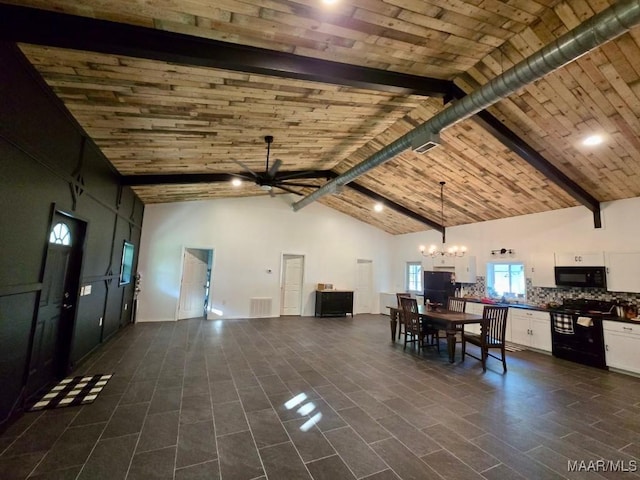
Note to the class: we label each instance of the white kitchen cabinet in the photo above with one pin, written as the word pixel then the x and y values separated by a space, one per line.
pixel 443 261
pixel 431 264
pixel 623 271
pixel 580 259
pixel 541 269
pixel 531 328
pixel 622 343
pixel 465 269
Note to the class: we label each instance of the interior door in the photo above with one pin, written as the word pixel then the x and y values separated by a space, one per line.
pixel 194 284
pixel 51 346
pixel 364 286
pixel 293 270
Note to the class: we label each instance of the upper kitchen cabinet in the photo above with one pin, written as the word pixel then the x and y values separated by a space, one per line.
pixel 465 269
pixel 540 270
pixel 578 259
pixel 439 262
pixel 623 271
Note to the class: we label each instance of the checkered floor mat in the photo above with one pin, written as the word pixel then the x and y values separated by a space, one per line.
pixel 72 391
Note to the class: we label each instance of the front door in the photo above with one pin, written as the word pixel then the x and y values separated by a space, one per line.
pixel 293 269
pixel 56 311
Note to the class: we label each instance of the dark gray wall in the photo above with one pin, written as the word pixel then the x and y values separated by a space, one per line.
pixel 47 162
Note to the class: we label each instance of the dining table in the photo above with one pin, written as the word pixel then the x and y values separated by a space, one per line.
pixel 449 321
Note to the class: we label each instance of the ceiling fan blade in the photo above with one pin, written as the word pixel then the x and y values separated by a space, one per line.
pixel 243 176
pixel 254 174
pixel 274 168
pixel 287 189
pixel 296 184
pixel 290 175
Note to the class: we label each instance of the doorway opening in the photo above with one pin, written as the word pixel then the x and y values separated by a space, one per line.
pixel 292 284
pixel 52 333
pixel 195 286
pixel 364 286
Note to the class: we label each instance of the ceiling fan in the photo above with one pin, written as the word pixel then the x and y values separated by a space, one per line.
pixel 272 178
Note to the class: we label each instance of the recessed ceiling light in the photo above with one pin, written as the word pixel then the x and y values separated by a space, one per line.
pixel 236 182
pixel 592 140
pixel 378 207
pixel 329 2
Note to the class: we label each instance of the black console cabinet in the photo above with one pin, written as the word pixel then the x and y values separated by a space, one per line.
pixel 331 303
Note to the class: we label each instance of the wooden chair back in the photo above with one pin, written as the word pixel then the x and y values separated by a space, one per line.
pixel 402 295
pixel 492 335
pixel 455 304
pixel 410 314
pixel 494 326
pixel 398 297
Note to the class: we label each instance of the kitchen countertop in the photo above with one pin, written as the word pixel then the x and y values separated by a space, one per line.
pixel 526 306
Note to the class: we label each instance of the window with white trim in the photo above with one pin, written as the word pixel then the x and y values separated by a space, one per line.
pixel 414 277
pixel 506 280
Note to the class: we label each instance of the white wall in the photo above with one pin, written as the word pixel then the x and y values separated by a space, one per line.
pixel 249 236
pixel 567 230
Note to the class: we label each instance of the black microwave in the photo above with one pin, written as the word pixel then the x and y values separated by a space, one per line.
pixel 589 277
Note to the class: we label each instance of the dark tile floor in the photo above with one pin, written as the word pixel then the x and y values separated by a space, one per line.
pixel 208 399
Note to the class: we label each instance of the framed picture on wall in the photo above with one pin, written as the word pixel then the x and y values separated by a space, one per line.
pixel 126 267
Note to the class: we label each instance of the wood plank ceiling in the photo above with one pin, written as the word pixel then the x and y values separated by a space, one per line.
pixel 158 117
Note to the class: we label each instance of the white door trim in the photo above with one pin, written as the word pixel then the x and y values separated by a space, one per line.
pixel 182 252
pixel 358 307
pixel 283 278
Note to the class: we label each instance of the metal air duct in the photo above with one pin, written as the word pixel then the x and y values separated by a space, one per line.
pixel 599 29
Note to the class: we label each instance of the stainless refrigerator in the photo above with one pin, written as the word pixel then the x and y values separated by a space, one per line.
pixel 439 286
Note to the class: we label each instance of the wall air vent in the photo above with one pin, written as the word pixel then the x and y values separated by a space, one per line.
pixel 424 141
pixel 260 307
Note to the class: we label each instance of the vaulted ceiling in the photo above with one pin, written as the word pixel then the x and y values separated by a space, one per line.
pixel 333 85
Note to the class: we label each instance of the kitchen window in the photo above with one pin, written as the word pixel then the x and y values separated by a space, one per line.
pixel 506 281
pixel 414 277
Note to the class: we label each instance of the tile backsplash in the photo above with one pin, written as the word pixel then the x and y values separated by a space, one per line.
pixel 542 295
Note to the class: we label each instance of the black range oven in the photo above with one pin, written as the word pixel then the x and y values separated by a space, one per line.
pixel 576 331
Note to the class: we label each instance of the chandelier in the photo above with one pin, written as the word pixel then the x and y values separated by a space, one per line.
pixel 434 251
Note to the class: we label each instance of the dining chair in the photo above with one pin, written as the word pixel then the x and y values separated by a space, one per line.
pixel 492 336
pixel 415 330
pixel 456 304
pixel 400 317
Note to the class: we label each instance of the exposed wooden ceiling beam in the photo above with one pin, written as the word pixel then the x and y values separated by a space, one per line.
pixel 395 206
pixel 41 27
pixel 508 138
pixel 191 178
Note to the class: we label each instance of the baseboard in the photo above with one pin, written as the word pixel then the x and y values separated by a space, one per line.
pixel 140 320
